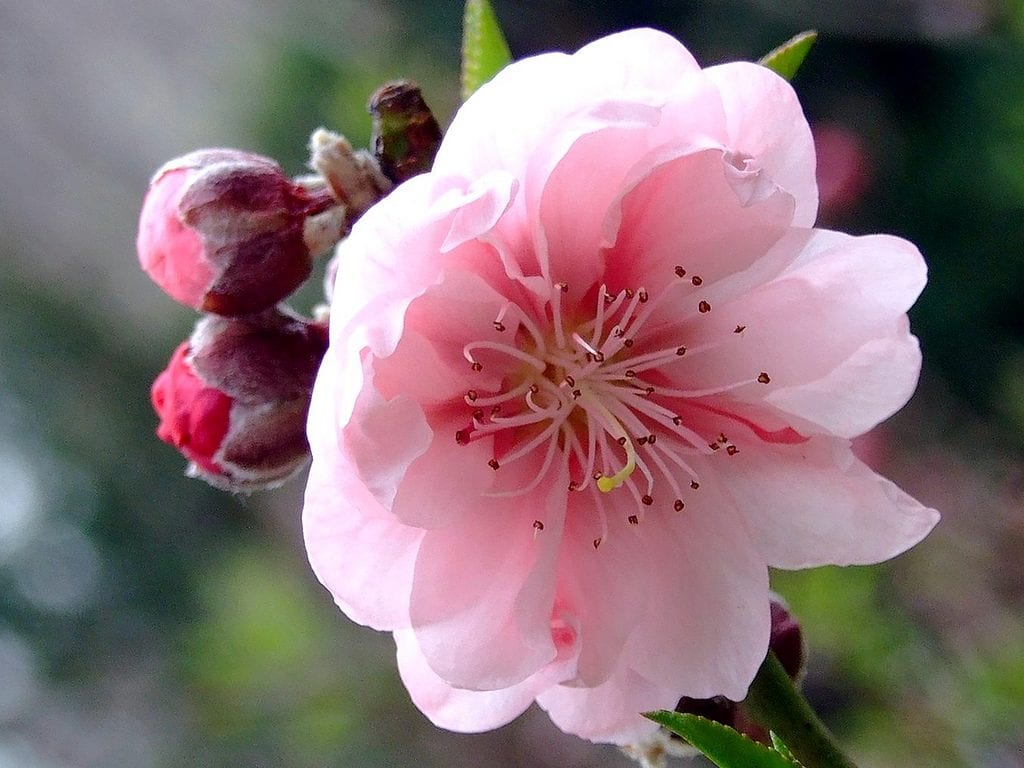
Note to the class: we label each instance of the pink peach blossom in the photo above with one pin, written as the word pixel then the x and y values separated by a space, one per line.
pixel 589 377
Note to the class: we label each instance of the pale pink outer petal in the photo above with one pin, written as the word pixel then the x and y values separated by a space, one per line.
pixel 766 122
pixel 484 588
pixel 462 710
pixel 601 587
pixel 683 210
pixel 377 254
pixel 816 504
pixel 491 130
pixel 583 108
pixel 707 625
pixel 357 549
pixel 831 332
pixel 611 711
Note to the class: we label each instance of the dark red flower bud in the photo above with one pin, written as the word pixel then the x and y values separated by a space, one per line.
pixel 224 231
pixel 235 397
pixel 787 641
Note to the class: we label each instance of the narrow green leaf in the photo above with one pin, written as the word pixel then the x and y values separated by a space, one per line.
pixel 780 747
pixel 722 745
pixel 787 58
pixel 484 50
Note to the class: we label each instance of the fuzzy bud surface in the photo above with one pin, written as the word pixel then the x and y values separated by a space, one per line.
pixel 222 230
pixel 234 398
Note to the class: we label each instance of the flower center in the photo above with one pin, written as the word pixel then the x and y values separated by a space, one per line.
pixel 587 393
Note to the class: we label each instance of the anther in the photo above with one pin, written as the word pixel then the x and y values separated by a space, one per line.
pixel 647 499
pixel 697 280
pixel 493 464
pixel 633 520
pixel 495 410
pixel 714 446
pixel 563 287
pixel 629 293
pixel 722 438
pixel 630 373
pixel 621 441
pixel 538 525
pixel 477 367
pixel 597 542
pixel 732 450
pixel 652 439
pixel 627 343
pixel 570 381
pixel 740 329
pixel 649 391
pixel 478 414
pixel 678 505
pixel 680 351
pixel 573 485
pixel 703 307
pixel 677 420
pixel 643 296
pixel 599 357
pixel 472 395
pixel 499 326
pixel 534 389
pixel 462 437
pixel 680 272
pixel 642 440
pixel 694 484
pixel 764 378
pixel 577 394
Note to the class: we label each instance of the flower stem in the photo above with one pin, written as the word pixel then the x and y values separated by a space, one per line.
pixel 776 703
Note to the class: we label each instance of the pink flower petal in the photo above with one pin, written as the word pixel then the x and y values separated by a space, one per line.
pixel 766 123
pixel 708 622
pixel 364 557
pixel 601 586
pixel 611 711
pixel 816 504
pixel 492 631
pixel 458 709
pixel 684 211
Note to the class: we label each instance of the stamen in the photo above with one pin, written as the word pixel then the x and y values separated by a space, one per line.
pixel 505 349
pixel 607 484
pixel 556 313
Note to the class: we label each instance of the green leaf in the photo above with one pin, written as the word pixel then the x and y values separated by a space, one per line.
pixel 780 746
pixel 787 58
pixel 722 745
pixel 484 50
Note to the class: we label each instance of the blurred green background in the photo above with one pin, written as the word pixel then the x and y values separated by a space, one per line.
pixel 148 621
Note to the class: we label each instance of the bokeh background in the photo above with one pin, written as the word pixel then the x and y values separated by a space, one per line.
pixel 148 621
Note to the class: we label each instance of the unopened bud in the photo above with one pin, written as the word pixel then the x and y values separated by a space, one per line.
pixel 405 134
pixel 787 641
pixel 235 397
pixel 225 231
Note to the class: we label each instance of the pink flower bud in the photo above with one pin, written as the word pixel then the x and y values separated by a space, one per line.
pixel 234 398
pixel 222 231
